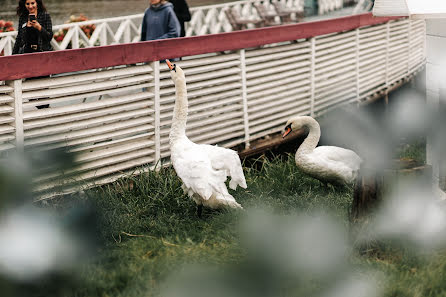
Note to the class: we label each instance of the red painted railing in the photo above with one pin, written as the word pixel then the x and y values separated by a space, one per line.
pixel 39 64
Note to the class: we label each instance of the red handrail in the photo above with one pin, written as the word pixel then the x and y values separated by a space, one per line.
pixel 39 64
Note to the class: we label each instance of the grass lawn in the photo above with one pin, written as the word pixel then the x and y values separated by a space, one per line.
pixel 147 230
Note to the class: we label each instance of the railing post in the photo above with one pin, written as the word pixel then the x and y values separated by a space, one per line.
pixel 408 45
pixel 18 113
pixel 313 74
pixel 357 66
pixel 103 34
pixel 156 106
pixel 127 38
pixel 75 39
pixel 387 53
pixel 387 62
pixel 244 97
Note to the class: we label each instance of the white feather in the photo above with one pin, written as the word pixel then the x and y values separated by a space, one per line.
pixel 202 168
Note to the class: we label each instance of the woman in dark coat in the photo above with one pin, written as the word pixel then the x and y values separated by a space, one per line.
pixel 182 12
pixel 35 29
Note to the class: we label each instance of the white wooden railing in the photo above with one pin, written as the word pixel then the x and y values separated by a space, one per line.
pixel 117 119
pixel 205 20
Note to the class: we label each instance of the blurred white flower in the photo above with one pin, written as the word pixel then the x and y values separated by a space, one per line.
pixel 302 244
pixel 354 286
pixel 413 212
pixel 33 244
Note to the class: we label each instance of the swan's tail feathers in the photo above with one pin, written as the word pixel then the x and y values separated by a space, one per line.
pixel 238 181
pixel 236 172
pixel 228 161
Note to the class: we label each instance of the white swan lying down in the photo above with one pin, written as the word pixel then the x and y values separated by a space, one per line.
pixel 327 163
pixel 202 168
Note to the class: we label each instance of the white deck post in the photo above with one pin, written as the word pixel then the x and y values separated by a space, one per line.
pixel 357 66
pixel 313 76
pixel 75 38
pixel 156 91
pixel 387 61
pixel 244 97
pixel 18 113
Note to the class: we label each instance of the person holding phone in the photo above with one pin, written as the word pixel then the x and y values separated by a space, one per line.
pixel 35 29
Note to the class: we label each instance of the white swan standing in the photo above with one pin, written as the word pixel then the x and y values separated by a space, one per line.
pixel 202 168
pixel 327 163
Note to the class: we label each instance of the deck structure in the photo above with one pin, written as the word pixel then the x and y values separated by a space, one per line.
pixel 112 105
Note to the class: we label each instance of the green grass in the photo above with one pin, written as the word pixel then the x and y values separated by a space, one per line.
pixel 148 229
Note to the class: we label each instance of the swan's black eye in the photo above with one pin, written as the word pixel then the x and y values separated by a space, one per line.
pixel 288 127
pixel 174 67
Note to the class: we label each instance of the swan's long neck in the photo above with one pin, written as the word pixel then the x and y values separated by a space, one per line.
pixel 179 118
pixel 312 139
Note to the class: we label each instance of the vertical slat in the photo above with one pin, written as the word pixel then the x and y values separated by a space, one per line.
pixel 244 97
pixel 18 113
pixel 312 71
pixel 103 35
pixel 75 39
pixel 409 29
pixel 156 91
pixel 357 66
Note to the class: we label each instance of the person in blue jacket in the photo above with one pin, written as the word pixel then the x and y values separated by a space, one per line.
pixel 160 21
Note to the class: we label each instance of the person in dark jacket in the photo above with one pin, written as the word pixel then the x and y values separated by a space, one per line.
pixel 182 12
pixel 160 21
pixel 35 29
pixel 35 32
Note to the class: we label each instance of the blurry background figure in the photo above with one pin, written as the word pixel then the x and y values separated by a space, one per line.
pixel 34 31
pixel 159 21
pixel 182 12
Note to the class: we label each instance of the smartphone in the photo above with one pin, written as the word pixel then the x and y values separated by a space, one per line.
pixel 32 17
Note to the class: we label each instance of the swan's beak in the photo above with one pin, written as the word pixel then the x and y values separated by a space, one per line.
pixel 171 67
pixel 287 131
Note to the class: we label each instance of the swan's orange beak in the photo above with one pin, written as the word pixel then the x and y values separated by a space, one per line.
pixel 287 131
pixel 171 67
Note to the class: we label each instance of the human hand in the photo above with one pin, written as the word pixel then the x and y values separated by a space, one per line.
pixel 36 25
pixel 32 22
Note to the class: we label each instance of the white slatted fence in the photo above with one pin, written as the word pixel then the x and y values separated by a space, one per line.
pixel 117 119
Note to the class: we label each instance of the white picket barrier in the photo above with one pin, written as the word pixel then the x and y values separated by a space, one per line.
pixel 117 119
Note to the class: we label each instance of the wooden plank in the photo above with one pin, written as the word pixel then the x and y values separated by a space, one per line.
pixel 91 123
pixel 111 93
pixel 167 116
pixel 79 78
pixel 86 107
pixel 86 88
pixel 303 53
pixel 98 138
pixel 6 119
pixel 86 133
pixel 6 99
pixel 111 143
pixel 98 168
pixel 6 89
pixel 6 109
pixel 301 91
pixel 297 64
pixel 169 102
pixel 81 119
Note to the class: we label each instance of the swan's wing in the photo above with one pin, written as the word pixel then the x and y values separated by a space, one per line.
pixel 229 161
pixel 195 170
pixel 338 154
